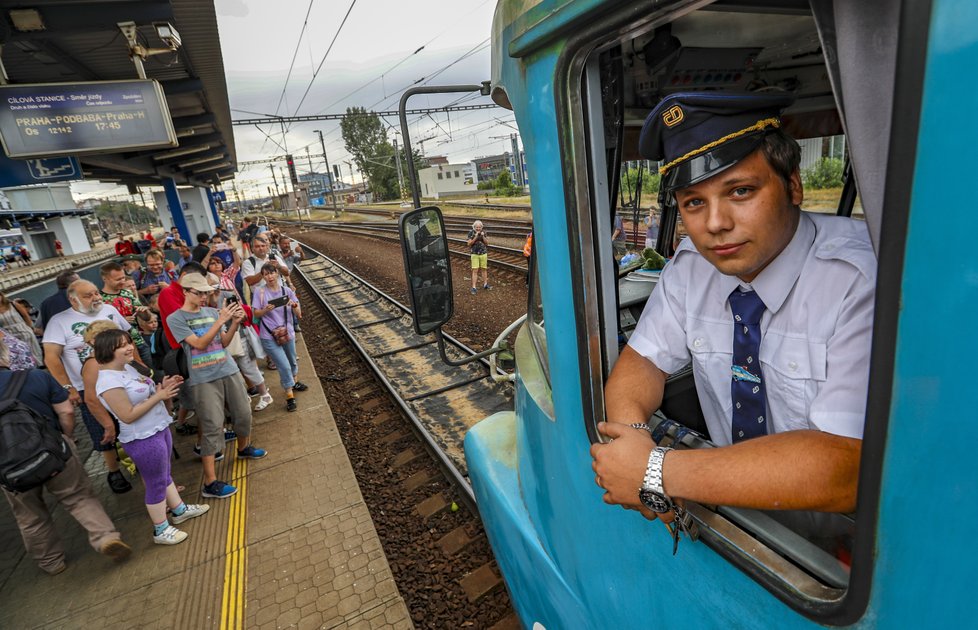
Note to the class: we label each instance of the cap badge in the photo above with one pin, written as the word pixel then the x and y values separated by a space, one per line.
pixel 673 116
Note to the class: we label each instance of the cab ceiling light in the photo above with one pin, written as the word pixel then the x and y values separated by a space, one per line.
pixel 26 20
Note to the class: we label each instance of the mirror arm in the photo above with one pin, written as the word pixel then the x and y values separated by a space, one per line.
pixel 474 357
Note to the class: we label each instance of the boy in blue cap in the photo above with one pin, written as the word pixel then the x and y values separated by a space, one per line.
pixel 772 306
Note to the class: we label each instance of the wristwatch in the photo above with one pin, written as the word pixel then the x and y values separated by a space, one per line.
pixel 651 494
pixel 67 387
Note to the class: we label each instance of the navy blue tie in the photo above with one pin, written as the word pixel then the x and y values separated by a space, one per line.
pixel 747 383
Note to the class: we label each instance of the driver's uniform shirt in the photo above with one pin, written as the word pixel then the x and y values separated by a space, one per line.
pixel 815 334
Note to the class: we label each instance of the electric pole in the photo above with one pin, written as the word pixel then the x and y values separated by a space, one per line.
pixel 271 167
pixel 329 174
pixel 400 173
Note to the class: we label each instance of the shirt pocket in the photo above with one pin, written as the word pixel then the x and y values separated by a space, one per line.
pixel 794 369
pixel 711 348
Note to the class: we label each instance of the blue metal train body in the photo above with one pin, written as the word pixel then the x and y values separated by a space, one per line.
pixel 569 560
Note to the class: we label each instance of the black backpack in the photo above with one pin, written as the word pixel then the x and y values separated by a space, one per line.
pixel 31 450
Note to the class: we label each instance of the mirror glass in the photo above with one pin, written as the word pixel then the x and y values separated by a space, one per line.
pixel 426 264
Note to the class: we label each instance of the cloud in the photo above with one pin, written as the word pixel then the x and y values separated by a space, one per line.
pixel 232 8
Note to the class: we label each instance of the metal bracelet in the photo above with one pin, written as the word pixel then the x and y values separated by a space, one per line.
pixel 641 425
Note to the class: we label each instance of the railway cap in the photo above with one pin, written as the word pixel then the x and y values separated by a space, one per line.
pixel 698 134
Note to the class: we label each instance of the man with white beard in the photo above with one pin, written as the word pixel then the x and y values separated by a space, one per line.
pixel 65 351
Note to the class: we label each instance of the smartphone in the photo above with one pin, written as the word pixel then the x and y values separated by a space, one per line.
pixel 221 246
pixel 279 301
pixel 231 299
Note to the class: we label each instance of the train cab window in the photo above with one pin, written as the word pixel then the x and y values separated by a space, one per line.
pixel 804 558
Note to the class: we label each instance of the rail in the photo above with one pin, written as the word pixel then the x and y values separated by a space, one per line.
pixel 441 402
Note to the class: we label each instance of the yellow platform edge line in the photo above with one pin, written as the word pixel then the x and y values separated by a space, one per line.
pixel 232 597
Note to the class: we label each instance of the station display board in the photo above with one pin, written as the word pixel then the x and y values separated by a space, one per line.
pixel 48 119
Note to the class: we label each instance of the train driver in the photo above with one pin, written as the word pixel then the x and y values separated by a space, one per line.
pixel 774 308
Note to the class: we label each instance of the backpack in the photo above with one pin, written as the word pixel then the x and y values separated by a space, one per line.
pixel 31 450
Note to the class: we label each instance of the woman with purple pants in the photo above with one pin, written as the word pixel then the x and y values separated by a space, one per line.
pixel 143 430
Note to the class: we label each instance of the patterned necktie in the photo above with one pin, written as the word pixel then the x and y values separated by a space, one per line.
pixel 747 384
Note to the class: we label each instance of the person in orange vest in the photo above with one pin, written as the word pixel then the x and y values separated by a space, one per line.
pixel 527 250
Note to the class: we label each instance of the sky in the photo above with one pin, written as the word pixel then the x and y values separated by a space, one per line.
pixel 374 57
pixel 352 53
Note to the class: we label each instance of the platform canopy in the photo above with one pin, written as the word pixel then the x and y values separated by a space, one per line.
pixel 69 41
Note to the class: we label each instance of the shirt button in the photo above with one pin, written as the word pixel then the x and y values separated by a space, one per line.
pixel 792 366
pixel 697 342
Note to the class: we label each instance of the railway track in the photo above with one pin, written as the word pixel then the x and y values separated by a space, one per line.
pixel 403 415
pixel 507 259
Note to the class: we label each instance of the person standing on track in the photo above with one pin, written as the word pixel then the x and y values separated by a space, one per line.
pixel 479 245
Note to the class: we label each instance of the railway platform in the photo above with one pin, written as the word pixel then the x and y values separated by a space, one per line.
pixel 295 547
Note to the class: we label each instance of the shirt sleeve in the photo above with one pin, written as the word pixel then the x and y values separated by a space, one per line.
pixel 660 335
pixel 258 298
pixel 178 326
pixel 56 393
pixel 247 269
pixel 54 333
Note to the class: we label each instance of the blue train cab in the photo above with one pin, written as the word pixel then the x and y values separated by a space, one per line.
pixel 581 77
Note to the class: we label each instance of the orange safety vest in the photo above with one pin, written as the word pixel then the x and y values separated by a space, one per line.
pixel 528 245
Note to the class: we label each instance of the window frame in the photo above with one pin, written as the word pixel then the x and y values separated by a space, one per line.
pixel 582 188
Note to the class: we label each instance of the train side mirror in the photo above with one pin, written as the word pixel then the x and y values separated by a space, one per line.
pixel 427 267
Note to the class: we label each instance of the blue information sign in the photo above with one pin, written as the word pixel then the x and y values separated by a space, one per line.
pixel 218 195
pixel 38 171
pixel 46 119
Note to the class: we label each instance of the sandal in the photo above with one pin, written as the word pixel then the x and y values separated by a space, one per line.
pixel 270 364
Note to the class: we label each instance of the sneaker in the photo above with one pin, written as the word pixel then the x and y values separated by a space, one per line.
pixel 170 536
pixel 229 435
pixel 290 404
pixel 115 549
pixel 186 429
pixel 252 391
pixel 299 386
pixel 474 290
pixel 486 287
pixel 250 452
pixel 192 511
pixel 118 483
pixel 218 490
pixel 263 402
pixel 218 457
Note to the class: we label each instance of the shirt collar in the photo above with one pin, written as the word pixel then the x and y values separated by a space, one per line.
pixel 776 280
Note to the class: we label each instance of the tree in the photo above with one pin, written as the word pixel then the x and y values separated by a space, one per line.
pixel 826 173
pixel 366 140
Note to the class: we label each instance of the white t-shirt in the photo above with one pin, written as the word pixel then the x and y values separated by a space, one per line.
pixel 138 388
pixel 67 329
pixel 815 334
pixel 249 269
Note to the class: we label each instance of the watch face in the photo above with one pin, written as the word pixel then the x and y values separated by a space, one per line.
pixel 654 501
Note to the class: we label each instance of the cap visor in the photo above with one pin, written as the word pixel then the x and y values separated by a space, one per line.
pixel 706 165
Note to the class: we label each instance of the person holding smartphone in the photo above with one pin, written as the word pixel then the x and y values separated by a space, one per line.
pixel 479 244
pixel 277 308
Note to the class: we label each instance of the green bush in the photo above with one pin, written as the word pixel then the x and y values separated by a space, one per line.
pixel 826 173
pixel 490 185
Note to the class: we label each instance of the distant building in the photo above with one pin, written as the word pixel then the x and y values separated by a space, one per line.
pixel 43 214
pixel 448 180
pixel 488 168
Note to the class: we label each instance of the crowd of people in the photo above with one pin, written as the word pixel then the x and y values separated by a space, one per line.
pixel 161 342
